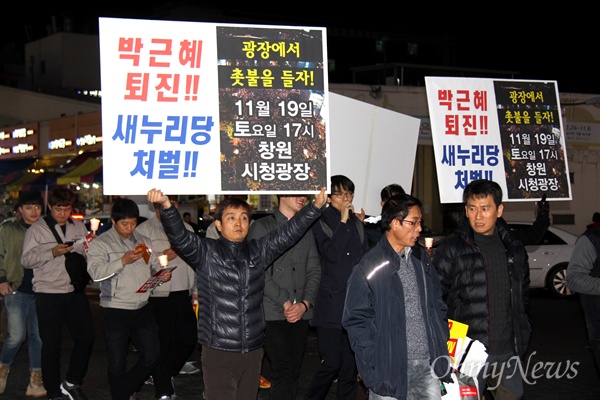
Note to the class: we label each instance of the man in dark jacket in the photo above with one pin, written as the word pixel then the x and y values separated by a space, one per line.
pixel 583 277
pixel 341 240
pixel 394 312
pixel 230 277
pixel 484 274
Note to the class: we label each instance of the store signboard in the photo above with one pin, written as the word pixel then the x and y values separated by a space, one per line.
pixel 20 141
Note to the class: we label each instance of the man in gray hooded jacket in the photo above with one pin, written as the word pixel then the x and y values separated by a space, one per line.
pixel 291 285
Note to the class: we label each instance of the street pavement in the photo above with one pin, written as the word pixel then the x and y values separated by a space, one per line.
pixel 559 345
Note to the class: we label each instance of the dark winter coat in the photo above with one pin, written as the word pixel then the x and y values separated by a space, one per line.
pixel 340 246
pixel 375 318
pixel 230 278
pixel 464 275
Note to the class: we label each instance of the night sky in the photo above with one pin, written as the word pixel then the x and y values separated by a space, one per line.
pixel 540 47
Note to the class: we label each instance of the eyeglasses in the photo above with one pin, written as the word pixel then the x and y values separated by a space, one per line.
pixel 411 223
pixel 342 195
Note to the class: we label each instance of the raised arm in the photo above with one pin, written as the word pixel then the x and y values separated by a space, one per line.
pixel 157 196
pixel 321 198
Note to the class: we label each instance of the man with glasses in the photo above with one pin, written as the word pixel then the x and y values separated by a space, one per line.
pixel 484 275
pixel 341 241
pixel 394 312
pixel 55 297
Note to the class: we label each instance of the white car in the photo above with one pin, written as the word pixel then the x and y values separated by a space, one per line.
pixel 548 260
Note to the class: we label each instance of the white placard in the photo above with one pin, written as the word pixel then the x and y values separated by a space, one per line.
pixel 205 108
pixel 508 131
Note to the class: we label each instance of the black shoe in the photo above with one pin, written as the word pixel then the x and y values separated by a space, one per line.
pixel 73 392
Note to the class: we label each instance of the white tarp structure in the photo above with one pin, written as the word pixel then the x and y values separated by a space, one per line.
pixel 372 146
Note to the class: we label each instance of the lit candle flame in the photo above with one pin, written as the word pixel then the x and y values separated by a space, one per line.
pixel 164 260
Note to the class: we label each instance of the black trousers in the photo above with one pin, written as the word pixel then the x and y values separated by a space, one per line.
pixel 285 344
pixel 54 310
pixel 121 326
pixel 337 360
pixel 595 344
pixel 177 333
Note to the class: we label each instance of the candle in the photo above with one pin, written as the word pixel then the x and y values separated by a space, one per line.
pixel 94 224
pixel 164 260
pixel 428 242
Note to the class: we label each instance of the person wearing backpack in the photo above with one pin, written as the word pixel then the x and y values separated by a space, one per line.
pixel 341 241
pixel 56 299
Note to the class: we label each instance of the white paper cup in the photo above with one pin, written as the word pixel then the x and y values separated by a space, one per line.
pixel 164 260
pixel 428 242
pixel 94 224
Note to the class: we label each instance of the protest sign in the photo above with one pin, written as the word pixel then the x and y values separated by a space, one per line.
pixel 508 131
pixel 192 107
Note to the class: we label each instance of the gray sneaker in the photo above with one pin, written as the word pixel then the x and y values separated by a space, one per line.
pixel 73 392
pixel 189 368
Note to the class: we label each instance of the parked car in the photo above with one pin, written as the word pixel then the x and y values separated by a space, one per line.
pixel 548 260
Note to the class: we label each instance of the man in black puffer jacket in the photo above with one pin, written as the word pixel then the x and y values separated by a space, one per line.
pixel 230 281
pixel 484 274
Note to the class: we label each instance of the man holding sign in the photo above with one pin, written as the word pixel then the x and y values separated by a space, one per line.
pixel 230 277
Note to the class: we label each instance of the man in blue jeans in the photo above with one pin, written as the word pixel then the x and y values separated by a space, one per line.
pixel 16 287
pixel 394 312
